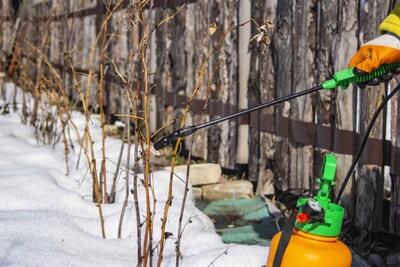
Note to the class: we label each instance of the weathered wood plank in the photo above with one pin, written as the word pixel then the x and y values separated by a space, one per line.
pixel 6 23
pixel 162 71
pixel 304 43
pixel 262 89
pixel 182 46
pixel 120 43
pixel 174 72
pixel 283 60
pixel 223 74
pixel 369 183
pixel 253 86
pixel 4 28
pixel 394 222
pixel 243 61
pixel 345 108
pixel 200 44
pixel 327 28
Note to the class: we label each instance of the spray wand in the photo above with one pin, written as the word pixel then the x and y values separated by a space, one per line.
pixel 340 79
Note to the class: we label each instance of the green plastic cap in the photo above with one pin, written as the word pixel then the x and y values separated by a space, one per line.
pixel 341 78
pixel 333 214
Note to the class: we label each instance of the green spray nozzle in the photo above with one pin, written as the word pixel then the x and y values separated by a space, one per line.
pixel 345 77
pixel 332 214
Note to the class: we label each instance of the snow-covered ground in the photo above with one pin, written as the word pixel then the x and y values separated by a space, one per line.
pixel 48 218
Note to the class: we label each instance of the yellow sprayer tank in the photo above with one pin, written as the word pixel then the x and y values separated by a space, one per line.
pixel 311 238
pixel 308 250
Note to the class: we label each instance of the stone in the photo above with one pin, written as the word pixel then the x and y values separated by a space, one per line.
pixel 114 130
pixel 197 192
pixel 201 174
pixel 228 190
pixel 111 130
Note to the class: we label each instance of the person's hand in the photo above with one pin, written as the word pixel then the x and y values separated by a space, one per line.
pixel 382 50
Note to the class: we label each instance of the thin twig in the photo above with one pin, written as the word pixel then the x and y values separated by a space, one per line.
pixel 225 252
pixel 128 158
pixel 117 168
pixel 179 236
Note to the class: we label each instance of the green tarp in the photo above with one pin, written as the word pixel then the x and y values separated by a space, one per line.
pixel 242 221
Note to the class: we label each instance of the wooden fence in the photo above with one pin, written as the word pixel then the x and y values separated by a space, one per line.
pixel 282 147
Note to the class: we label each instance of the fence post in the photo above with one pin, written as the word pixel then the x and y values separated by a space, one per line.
pixel 242 153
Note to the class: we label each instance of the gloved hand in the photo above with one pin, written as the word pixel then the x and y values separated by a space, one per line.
pixel 382 50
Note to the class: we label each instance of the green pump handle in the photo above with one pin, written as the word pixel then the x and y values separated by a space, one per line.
pixel 332 214
pixel 328 178
pixel 345 77
pixel 329 225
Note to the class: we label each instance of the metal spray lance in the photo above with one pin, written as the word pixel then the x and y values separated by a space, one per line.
pixel 340 79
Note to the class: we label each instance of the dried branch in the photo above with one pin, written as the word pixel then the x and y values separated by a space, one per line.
pixel 117 168
pixel 180 231
pixel 128 159
pixel 225 252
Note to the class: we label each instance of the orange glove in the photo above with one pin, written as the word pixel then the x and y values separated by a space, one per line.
pixel 382 50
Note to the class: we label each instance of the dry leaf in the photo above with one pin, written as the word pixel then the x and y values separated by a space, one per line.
pixel 212 28
pixel 263 35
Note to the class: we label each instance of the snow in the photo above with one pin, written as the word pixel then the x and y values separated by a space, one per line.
pixel 48 218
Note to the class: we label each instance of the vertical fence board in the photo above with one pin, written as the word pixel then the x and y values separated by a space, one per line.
pixel 243 67
pixel 223 86
pixel 214 81
pixel 6 28
pixel 254 93
pixel 201 47
pixel 304 40
pixel 369 184
pixel 161 73
pixel 327 29
pixel 177 60
pixel 345 108
pixel 262 144
pixel 282 54
pixel 229 77
pixel 394 221
pixel 118 56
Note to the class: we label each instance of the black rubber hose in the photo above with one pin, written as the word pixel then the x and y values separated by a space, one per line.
pixel 364 142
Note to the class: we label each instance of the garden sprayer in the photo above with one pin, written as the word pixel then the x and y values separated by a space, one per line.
pixel 310 237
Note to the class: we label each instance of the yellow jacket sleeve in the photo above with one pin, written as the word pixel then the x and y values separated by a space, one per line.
pixel 392 22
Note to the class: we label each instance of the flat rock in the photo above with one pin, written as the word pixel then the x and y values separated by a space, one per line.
pixel 197 192
pixel 228 190
pixel 201 174
pixel 111 130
